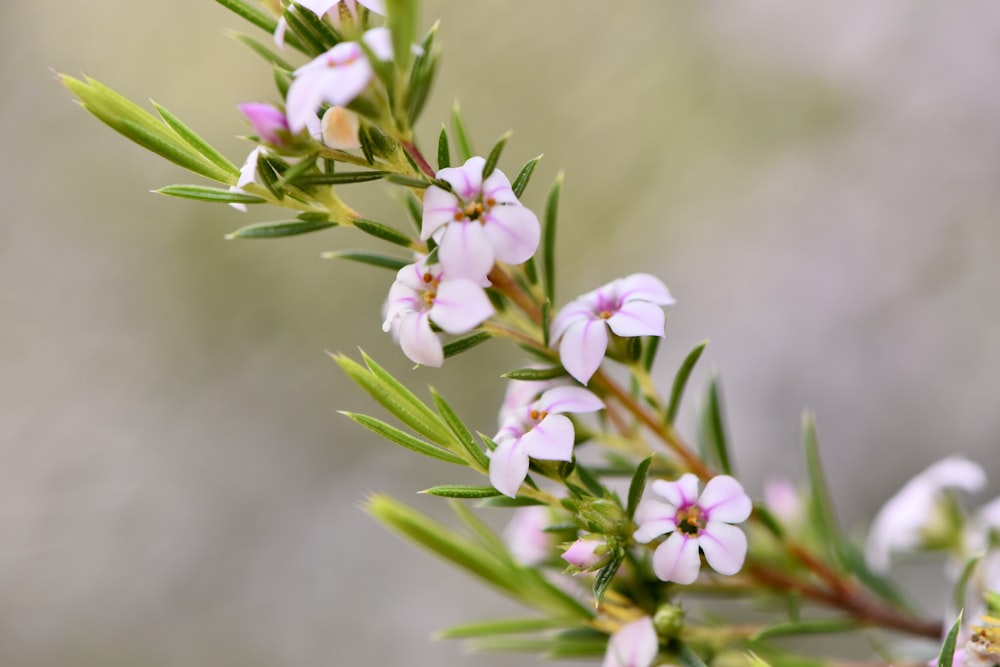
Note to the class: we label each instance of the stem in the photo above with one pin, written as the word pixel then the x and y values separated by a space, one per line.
pixel 415 154
pixel 506 285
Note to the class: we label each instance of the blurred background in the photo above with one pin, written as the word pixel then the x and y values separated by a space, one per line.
pixel 817 184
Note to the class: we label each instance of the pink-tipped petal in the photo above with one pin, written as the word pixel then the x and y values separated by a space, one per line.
pixel 725 547
pixel 440 207
pixel 582 348
pixel 583 554
pixel 634 645
pixel 465 252
pixel 420 344
pixel 460 306
pixel 551 439
pixel 645 287
pixel 638 318
pixel 677 559
pixel 508 467
pixel 514 232
pixel 680 494
pixel 725 500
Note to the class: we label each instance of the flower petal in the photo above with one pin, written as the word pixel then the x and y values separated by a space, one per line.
pixel 377 6
pixel 379 40
pixel 464 251
pixel 508 467
pixel 725 547
pixel 645 287
pixel 514 232
pixel 305 95
pixel 634 645
pixel 680 494
pixel 725 500
pixel 420 344
pixel 569 399
pixel 677 559
pixel 582 348
pixel 572 312
pixel 460 306
pixel 498 188
pixel 551 439
pixel 467 180
pixel 440 207
pixel 638 318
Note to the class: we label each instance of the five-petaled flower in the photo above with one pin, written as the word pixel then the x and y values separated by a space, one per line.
pixel 335 77
pixel 629 306
pixel 694 522
pixel 539 430
pixel 478 222
pixel 635 644
pixel 421 295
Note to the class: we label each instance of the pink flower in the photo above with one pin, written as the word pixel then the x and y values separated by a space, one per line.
pixel 335 77
pixel 268 122
pixel 478 222
pixel 628 306
pixel 586 553
pixel 634 645
pixel 540 431
pixel 694 522
pixel 422 295
pixel 525 535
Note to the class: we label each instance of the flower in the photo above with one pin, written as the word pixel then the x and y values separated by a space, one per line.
pixel 478 222
pixel 248 175
pixel 539 430
pixel 525 535
pixel 267 121
pixel 586 553
pixel 634 645
pixel 694 522
pixel 422 295
pixel 783 500
pixel 921 514
pixel 628 306
pixel 335 77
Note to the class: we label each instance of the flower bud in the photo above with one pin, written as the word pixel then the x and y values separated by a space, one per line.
pixel 268 122
pixel 340 128
pixel 669 620
pixel 586 553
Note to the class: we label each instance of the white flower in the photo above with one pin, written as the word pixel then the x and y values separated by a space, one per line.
pixel 634 645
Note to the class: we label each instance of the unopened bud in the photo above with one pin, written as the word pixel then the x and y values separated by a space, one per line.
pixel 586 553
pixel 340 128
pixel 669 620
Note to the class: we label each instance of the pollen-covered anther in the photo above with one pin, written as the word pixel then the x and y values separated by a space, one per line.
pixel 473 210
pixel 689 520
pixel 605 314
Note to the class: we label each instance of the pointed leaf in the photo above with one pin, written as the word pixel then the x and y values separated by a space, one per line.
pixel 535 374
pixel 809 626
pixel 467 343
pixel 465 149
pixel 403 438
pixel 821 510
pixel 461 432
pixel 342 178
pixel 714 437
pixel 402 22
pixel 259 18
pixel 444 151
pixel 196 142
pixel 461 491
pixel 202 193
pixel 264 52
pixel 367 257
pixel 548 250
pixel 494 156
pixel 948 649
pixel 680 380
pixel 524 176
pixel 273 230
pixel 513 626
pixel 384 232
pixel 638 485
pixel 606 575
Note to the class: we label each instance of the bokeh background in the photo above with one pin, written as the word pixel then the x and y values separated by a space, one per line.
pixel 817 184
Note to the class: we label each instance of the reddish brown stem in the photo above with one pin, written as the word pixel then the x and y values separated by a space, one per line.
pixel 504 284
pixel 418 157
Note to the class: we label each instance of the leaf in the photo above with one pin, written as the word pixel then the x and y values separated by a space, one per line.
pixel 808 627
pixel 402 23
pixel 410 181
pixel 688 658
pixel 606 575
pixel 948 649
pixel 260 19
pixel 264 52
pixel 403 438
pixel 444 151
pixel 714 437
pixel 367 257
pixel 342 178
pixel 756 661
pixel 486 536
pixel 312 43
pixel 512 626
pixel 504 501
pixel 524 176
pixel 384 232
pixel 821 510
pixel 467 343
pixel 465 149
pixel 462 434
pixel 461 491
pixel 273 230
pixel 319 29
pixel 196 142
pixel 422 77
pixel 202 193
pixel 494 156
pixel 535 374
pixel 680 380
pixel 958 594
pixel 638 485
pixel 548 251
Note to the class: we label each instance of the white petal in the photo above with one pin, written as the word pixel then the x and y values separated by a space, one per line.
pixel 420 344
pixel 551 439
pixel 379 40
pixel 677 559
pixel 582 348
pixel 467 180
pixel 725 500
pixel 654 509
pixel 569 399
pixel 440 207
pixel 989 514
pixel 377 6
pixel 460 306
pixel 638 318
pixel 956 472
pixel 508 467
pixel 682 493
pixel 348 81
pixel 650 530
pixel 498 188
pixel 304 97
pixel 645 287
pixel 465 252
pixel 318 7
pixel 725 547
pixel 571 313
pixel 634 645
pixel 514 232
pixel 279 33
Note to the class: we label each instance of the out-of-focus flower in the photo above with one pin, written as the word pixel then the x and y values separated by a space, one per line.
pixel 335 77
pixel 586 553
pixel 634 645
pixel 694 522
pixel 539 431
pixel 629 306
pixel 922 513
pixel 478 222
pixel 248 175
pixel 525 535
pixel 268 122
pixel 421 295
pixel 783 499
pixel 340 128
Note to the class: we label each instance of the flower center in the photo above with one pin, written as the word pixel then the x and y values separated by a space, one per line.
pixel 689 520
pixel 431 293
pixel 538 415
pixel 605 314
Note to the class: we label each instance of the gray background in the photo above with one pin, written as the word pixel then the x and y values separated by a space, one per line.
pixel 816 183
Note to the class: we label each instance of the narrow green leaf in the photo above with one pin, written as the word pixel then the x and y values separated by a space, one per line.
pixel 494 156
pixel 548 252
pixel 270 170
pixel 687 657
pixel 482 532
pixel 535 374
pixel 524 176
pixel 958 593
pixel 854 560
pixel 681 379
pixel 461 491
pixel 606 575
pixel 405 405
pixel 465 149
pixel 259 18
pixel 769 521
pixel 504 501
pixel 409 181
pixel 713 432
pixel 364 138
pixel 403 438
pixel 462 434
pixel 367 257
pixel 273 230
pixel 948 649
pixel 821 510
pixel 649 349
pixel 311 42
pixel 196 142
pixel 466 343
pixel 402 23
pixel 444 151
pixel 202 193
pixel 513 626
pixel 638 485
pixel 546 322
pixel 282 80
pixel 756 661
pixel 264 52
pixel 319 28
pixel 342 178
pixel 384 232
pixel 809 626
pixel 168 148
pixel 421 81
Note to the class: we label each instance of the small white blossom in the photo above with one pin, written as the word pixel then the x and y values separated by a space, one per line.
pixel 634 645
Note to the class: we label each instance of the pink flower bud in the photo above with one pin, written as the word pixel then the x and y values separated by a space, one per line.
pixel 585 554
pixel 268 122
